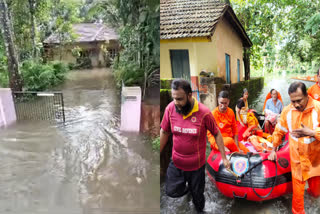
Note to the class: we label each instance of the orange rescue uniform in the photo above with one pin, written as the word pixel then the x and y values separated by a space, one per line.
pixel 228 128
pixel 314 91
pixel 304 151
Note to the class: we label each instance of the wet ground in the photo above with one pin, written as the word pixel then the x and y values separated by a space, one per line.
pixel 217 203
pixel 84 166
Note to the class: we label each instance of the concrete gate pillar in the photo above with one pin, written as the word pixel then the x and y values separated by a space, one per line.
pixel 7 109
pixel 130 109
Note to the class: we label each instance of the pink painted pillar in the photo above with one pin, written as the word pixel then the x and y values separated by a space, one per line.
pixel 7 110
pixel 130 109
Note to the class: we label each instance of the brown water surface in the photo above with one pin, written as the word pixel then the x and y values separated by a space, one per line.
pixel 84 166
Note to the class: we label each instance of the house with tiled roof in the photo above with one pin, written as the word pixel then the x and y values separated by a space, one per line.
pixel 201 35
pixel 93 42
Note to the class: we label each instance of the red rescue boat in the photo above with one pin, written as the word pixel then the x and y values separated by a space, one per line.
pixel 252 176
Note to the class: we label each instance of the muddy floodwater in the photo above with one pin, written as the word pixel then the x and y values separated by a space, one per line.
pixel 83 166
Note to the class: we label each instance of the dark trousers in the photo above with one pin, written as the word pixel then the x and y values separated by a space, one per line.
pixel 176 180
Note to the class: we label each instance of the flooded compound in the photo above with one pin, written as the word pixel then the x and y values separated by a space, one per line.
pixel 217 203
pixel 83 166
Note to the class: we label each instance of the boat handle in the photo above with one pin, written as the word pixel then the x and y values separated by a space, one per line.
pixel 242 197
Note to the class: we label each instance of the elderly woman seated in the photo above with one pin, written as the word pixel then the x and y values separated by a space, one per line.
pixel 272 111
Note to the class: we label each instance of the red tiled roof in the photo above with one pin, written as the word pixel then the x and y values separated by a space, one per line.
pixel 195 18
pixel 88 32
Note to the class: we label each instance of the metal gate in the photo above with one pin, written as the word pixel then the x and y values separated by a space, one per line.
pixel 39 105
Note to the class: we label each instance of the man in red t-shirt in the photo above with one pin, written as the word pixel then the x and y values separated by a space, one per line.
pixel 314 90
pixel 188 121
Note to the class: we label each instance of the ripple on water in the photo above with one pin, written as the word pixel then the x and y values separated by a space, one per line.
pixel 84 166
pixel 218 203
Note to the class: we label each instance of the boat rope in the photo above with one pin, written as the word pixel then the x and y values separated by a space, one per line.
pixel 274 182
pixel 230 156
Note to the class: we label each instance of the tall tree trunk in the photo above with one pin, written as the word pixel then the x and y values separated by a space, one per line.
pixel 11 21
pixel 246 62
pixel 135 12
pixel 33 28
pixel 13 64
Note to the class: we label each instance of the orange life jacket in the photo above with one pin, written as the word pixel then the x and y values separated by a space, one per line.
pixel 304 151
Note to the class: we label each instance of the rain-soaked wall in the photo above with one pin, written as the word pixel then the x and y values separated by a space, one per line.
pixel 7 110
pixel 150 119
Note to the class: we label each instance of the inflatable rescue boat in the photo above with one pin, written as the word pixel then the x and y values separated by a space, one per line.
pixel 252 176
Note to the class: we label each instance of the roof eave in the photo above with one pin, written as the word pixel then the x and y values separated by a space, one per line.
pixel 187 36
pixel 220 18
pixel 77 42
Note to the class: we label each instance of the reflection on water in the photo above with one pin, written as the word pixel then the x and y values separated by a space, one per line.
pixel 280 83
pixel 84 166
pixel 218 203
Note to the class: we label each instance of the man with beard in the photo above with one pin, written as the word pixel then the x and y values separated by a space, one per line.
pixel 225 118
pixel 301 119
pixel 188 121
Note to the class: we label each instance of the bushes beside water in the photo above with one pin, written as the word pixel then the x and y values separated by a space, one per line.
pixel 39 77
pixel 4 79
pixel 129 72
pixel 156 144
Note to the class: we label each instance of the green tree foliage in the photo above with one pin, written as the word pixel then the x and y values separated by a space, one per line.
pixel 3 59
pixel 137 22
pixel 31 26
pixel 15 82
pixel 50 16
pixel 258 19
pixel 285 33
pixel 140 42
pixel 39 77
pixel 66 13
pixel 4 80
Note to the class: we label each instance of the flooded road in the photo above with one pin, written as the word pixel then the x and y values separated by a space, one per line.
pixel 219 204
pixel 84 166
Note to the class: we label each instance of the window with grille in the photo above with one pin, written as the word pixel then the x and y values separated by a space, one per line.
pixel 113 53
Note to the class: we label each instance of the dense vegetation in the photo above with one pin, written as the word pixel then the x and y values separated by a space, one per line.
pixel 38 77
pixel 24 26
pixel 30 22
pixel 285 34
pixel 137 22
